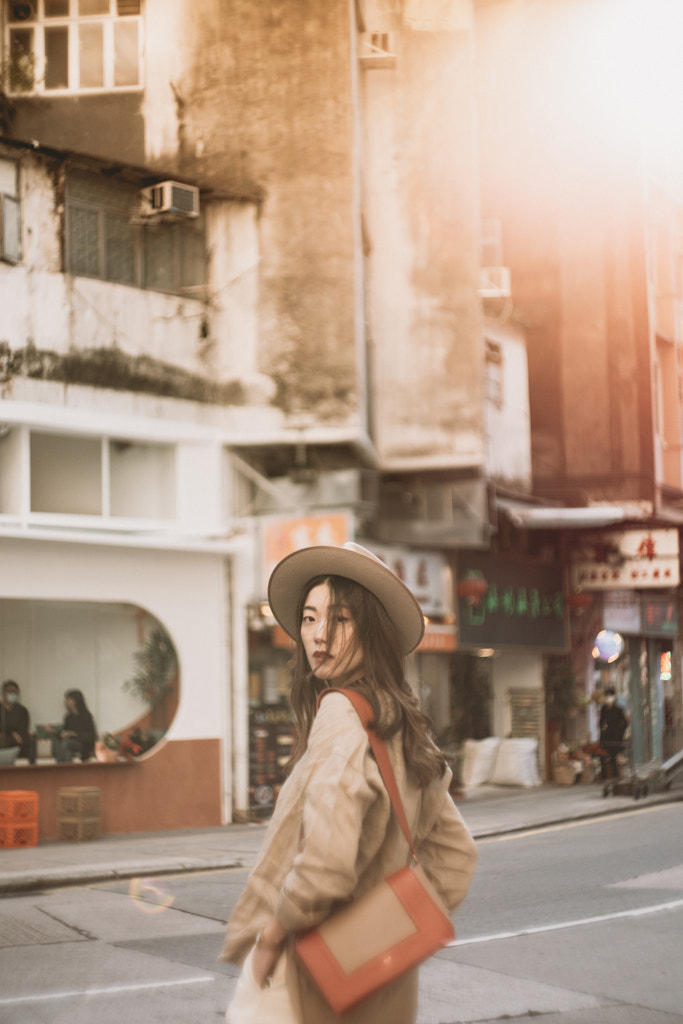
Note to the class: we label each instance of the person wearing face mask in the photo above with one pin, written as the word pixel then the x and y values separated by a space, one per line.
pixel 612 729
pixel 15 722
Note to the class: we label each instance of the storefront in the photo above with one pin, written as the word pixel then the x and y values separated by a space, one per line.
pixel 74 615
pixel 511 614
pixel 629 579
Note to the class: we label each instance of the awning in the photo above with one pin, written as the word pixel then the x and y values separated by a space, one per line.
pixel 543 517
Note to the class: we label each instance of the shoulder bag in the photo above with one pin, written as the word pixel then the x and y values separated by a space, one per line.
pixel 395 926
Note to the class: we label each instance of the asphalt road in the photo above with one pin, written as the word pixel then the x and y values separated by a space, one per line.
pixel 581 923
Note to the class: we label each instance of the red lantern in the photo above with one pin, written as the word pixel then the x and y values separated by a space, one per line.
pixel 472 588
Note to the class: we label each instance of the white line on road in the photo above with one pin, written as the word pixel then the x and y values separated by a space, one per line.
pixel 110 990
pixel 637 912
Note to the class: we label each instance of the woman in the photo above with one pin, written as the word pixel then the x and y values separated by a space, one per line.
pixel 78 732
pixel 333 834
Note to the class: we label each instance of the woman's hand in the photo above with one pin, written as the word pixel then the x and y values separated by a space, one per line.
pixel 267 951
pixel 263 963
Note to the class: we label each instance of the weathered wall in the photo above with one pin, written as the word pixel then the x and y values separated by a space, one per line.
pixel 57 326
pixel 109 125
pixel 261 102
pixel 508 432
pixel 567 188
pixel 422 213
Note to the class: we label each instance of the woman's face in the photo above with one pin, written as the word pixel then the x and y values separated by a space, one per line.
pixel 345 656
pixel 70 704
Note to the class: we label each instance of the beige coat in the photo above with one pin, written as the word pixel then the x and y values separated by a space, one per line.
pixel 333 836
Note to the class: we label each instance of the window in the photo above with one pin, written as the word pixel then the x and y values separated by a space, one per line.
pixel 105 239
pixel 494 374
pixel 91 476
pixel 94 647
pixel 74 45
pixel 10 222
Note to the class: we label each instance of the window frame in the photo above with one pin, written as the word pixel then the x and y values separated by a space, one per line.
pixel 73 22
pixel 10 200
pixel 177 231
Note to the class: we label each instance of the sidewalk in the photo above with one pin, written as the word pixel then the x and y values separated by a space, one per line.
pixel 488 811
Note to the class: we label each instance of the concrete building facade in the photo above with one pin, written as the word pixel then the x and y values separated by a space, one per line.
pixel 289 341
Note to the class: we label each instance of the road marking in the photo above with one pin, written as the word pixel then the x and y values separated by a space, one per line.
pixel 108 991
pixel 561 826
pixel 619 915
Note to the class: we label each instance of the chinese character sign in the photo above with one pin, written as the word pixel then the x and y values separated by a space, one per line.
pixel 523 605
pixel 280 537
pixel 621 559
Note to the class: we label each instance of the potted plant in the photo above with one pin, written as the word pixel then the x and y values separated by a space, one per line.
pixel 155 675
pixel 107 748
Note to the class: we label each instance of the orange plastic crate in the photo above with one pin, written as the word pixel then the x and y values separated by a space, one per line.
pixel 18 806
pixel 16 835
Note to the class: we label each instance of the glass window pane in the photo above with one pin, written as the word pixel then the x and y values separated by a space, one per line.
pixel 192 256
pixel 91 56
pixel 126 53
pixel 119 250
pixel 56 8
pixel 57 58
pixel 160 251
pixel 89 7
pixel 22 60
pixel 8 177
pixel 84 250
pixel 128 7
pixel 11 235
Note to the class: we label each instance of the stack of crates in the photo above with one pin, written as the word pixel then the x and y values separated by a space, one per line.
pixel 18 818
pixel 79 813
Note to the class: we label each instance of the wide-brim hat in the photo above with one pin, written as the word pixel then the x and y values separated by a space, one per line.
pixel 290 576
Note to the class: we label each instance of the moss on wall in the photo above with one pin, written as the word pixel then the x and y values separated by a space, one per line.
pixel 113 369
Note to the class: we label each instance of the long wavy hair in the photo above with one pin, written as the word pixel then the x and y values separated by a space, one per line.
pixel 79 700
pixel 394 705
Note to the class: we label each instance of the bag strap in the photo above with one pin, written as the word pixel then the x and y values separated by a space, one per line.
pixel 379 749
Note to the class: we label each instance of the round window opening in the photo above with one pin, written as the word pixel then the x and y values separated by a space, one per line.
pixel 107 672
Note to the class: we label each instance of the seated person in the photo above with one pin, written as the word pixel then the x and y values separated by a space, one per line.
pixel 15 722
pixel 77 734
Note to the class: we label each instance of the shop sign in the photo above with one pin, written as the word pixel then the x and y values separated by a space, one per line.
pixel 523 605
pixel 627 558
pixel 621 611
pixel 426 574
pixel 644 614
pixel 658 615
pixel 281 536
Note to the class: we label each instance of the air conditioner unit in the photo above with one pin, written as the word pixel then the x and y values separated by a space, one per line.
pixel 494 282
pixel 170 197
pixel 375 50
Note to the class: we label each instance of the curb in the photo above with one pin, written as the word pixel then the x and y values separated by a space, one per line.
pixel 606 812
pixel 142 866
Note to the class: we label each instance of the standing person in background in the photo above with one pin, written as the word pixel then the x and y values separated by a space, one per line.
pixel 15 722
pixel 333 835
pixel 78 733
pixel 613 723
